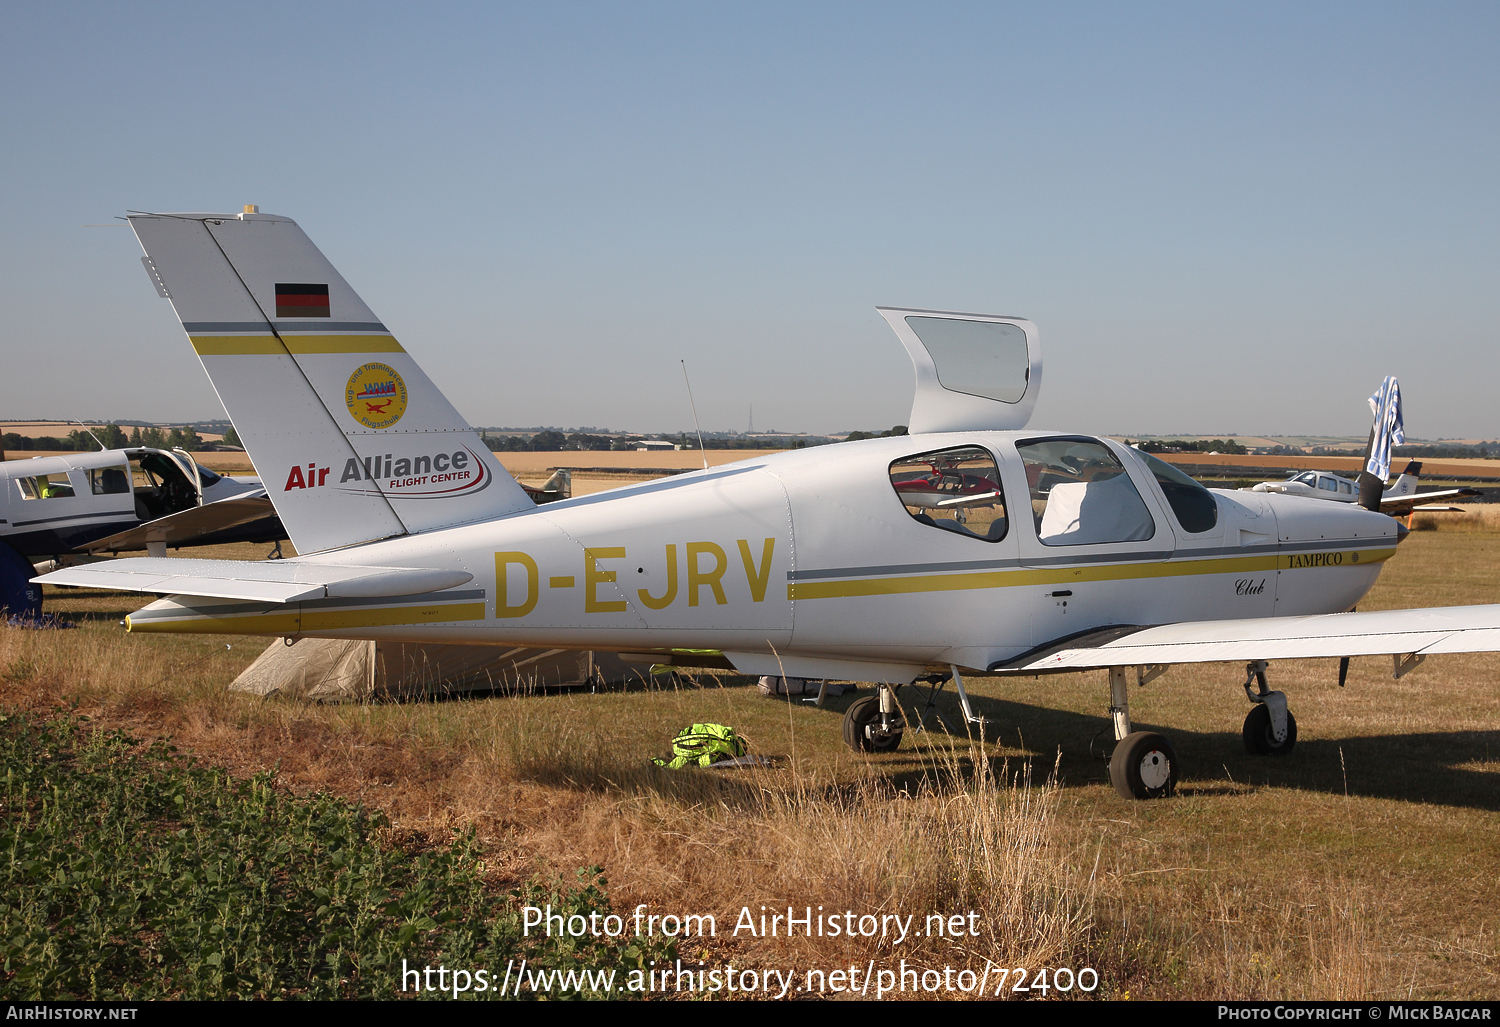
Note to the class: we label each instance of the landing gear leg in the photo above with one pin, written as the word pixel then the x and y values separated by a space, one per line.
pixel 1119 702
pixel 1144 765
pixel 1270 729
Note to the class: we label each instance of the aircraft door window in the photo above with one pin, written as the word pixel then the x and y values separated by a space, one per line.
pixel 1193 505
pixel 161 488
pixel 45 486
pixel 110 481
pixel 1081 495
pixel 955 490
pixel 1328 485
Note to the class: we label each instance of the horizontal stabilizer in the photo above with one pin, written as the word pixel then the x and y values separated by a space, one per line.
pixel 1453 629
pixel 194 522
pixel 1389 503
pixel 273 581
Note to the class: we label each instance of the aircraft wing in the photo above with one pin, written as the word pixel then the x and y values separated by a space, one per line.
pixel 194 522
pixel 274 581
pixel 1453 629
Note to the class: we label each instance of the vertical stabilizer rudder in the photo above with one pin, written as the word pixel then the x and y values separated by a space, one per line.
pixel 352 439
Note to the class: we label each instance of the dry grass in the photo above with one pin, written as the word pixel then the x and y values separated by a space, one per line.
pixel 1363 865
pixel 555 782
pixel 1479 517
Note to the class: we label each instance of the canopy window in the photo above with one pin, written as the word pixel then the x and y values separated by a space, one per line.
pixel 1081 495
pixel 955 490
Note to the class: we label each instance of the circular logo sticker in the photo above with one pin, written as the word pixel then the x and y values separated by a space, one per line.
pixel 376 396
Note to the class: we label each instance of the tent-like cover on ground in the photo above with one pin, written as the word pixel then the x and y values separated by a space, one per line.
pixel 344 670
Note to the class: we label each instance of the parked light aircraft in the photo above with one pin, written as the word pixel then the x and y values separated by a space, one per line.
pixel 55 508
pixel 1398 498
pixel 971 545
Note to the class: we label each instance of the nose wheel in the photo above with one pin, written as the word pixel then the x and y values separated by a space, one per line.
pixel 1260 737
pixel 1270 729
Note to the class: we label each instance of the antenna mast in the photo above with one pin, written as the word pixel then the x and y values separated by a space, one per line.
pixel 102 446
pixel 696 426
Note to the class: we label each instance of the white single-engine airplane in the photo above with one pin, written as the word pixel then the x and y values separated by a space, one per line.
pixel 1398 499
pixel 968 545
pixel 60 508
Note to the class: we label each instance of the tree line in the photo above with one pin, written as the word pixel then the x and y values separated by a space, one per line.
pixel 554 441
pixel 1228 446
pixel 111 435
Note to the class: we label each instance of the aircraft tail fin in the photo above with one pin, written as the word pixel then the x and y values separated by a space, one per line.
pixel 1405 483
pixel 351 438
pixel 561 482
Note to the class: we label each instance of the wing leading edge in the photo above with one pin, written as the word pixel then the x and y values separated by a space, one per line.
pixel 1454 629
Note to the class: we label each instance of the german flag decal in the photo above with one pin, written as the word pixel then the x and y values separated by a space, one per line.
pixel 300 300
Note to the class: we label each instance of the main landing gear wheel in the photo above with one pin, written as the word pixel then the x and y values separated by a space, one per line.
pixel 863 730
pixel 1260 740
pixel 1143 766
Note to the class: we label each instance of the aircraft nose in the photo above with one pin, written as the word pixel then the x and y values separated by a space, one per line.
pixel 1300 519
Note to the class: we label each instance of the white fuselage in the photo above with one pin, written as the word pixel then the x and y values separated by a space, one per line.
pixel 59 504
pixel 1314 485
pixel 807 563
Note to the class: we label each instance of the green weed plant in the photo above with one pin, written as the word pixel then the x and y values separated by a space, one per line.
pixel 131 874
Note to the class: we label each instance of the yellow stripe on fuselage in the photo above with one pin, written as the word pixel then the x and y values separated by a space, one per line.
pixel 270 345
pixel 293 622
pixel 1062 575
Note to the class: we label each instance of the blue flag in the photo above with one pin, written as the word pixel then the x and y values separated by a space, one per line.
pixel 1386 406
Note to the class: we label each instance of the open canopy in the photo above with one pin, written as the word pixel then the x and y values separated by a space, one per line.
pixel 974 371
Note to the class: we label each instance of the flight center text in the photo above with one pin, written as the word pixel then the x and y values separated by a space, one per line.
pixel 699 576
pixel 401 472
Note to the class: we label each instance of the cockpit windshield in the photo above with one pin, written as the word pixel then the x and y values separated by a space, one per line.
pixel 1196 509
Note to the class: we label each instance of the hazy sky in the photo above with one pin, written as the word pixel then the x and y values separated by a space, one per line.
pixel 1223 217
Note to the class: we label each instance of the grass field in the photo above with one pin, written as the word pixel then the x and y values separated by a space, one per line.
pixel 1365 864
